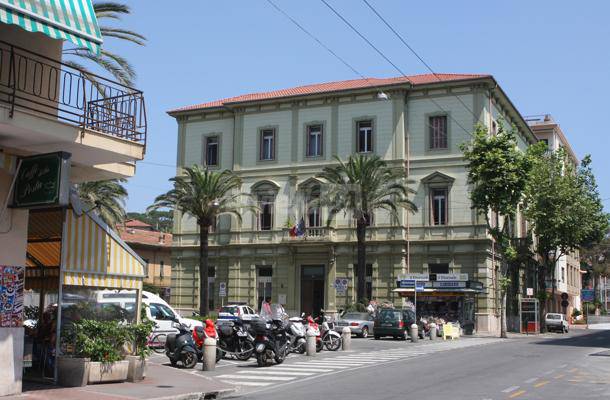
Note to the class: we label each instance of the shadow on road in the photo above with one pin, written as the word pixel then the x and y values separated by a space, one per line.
pixel 592 339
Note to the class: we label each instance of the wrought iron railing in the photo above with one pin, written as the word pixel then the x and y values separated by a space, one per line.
pixel 41 84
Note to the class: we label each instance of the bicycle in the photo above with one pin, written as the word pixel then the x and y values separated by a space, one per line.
pixel 157 343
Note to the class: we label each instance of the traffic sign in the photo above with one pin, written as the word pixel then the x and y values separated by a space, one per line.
pixel 222 289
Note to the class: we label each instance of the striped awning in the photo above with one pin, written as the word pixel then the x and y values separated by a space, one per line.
pixel 94 255
pixel 72 20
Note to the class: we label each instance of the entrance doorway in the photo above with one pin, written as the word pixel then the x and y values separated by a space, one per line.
pixel 312 289
pixel 264 285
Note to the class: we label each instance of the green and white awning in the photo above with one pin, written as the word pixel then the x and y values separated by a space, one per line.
pixel 72 20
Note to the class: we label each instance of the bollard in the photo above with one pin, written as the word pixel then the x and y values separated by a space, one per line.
pixel 209 354
pixel 346 339
pixel 433 331
pixel 310 345
pixel 414 333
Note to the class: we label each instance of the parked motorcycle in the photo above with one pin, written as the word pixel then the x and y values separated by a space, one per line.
pixel 180 347
pixel 200 334
pixel 295 331
pixel 330 338
pixel 314 329
pixel 235 339
pixel 270 342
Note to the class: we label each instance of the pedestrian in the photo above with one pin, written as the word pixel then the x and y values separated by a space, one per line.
pixel 266 308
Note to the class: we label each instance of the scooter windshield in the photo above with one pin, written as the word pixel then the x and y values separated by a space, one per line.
pixel 277 312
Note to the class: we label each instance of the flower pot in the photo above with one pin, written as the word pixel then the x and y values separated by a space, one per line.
pixel 73 371
pixel 108 372
pixel 137 368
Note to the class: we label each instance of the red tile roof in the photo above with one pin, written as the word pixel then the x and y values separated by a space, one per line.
pixel 136 223
pixel 140 236
pixel 332 87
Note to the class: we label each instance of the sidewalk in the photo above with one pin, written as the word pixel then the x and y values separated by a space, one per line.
pixel 162 382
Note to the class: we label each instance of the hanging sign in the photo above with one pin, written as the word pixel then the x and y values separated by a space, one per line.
pixel 11 296
pixel 452 277
pixel 414 277
pixel 43 181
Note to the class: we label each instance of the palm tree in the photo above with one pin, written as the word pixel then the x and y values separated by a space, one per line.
pixel 113 63
pixel 359 187
pixel 205 195
pixel 107 198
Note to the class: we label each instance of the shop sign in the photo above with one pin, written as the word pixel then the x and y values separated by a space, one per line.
pixel 11 296
pixel 450 284
pixel 43 181
pixel 414 277
pixel 452 277
pixel 406 283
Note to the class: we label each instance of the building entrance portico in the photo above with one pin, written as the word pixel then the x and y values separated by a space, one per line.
pixel 313 278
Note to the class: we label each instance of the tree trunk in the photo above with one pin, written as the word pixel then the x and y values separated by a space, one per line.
pixel 503 313
pixel 203 270
pixel 542 294
pixel 361 267
pixel 553 286
pixel 596 294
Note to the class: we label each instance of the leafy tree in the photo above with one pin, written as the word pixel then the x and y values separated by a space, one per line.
pixel 596 259
pixel 359 187
pixel 160 220
pixel 565 210
pixel 205 195
pixel 498 172
pixel 107 198
pixel 113 63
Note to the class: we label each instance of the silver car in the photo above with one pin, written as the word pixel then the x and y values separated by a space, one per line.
pixel 360 323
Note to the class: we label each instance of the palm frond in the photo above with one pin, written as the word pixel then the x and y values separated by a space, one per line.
pixel 110 7
pixel 124 34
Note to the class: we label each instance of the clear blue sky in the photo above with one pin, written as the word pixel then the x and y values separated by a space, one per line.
pixel 549 56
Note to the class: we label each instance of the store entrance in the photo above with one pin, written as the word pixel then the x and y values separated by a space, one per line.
pixel 312 289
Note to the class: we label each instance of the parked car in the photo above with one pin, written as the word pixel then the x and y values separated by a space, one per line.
pixel 395 323
pixel 237 311
pixel 360 323
pixel 556 322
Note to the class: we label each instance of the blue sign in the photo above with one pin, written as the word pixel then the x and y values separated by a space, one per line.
pixel 587 295
pixel 419 286
pixel 407 283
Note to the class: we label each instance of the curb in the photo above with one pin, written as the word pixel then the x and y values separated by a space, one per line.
pixel 217 394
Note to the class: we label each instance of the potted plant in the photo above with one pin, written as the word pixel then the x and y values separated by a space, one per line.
pixel 139 334
pixel 72 368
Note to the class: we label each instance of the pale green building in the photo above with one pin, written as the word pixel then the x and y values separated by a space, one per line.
pixel 280 140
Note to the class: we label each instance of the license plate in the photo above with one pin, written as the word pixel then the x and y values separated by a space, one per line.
pixel 386 324
pixel 240 333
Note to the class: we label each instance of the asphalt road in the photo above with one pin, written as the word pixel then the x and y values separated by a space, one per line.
pixel 553 366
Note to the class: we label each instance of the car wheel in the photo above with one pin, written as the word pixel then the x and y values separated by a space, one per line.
pixel 365 332
pixel 377 337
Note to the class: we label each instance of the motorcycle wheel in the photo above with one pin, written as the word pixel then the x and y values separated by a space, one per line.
pixel 332 343
pixel 173 362
pixel 219 355
pixel 247 348
pixel 279 358
pixel 301 349
pixel 319 346
pixel 189 359
pixel 261 359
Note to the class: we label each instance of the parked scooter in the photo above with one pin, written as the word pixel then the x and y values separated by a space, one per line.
pixel 271 342
pixel 330 338
pixel 180 347
pixel 235 339
pixel 200 334
pixel 295 331
pixel 314 329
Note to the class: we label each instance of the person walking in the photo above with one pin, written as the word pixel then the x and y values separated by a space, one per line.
pixel 266 308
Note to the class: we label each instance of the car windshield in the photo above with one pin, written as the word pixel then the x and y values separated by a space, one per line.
pixel 553 316
pixel 161 311
pixel 389 315
pixel 229 309
pixel 357 316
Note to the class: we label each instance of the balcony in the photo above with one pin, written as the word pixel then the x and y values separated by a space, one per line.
pixel 311 234
pixel 46 87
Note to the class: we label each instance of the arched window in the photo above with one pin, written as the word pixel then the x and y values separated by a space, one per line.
pixel 265 193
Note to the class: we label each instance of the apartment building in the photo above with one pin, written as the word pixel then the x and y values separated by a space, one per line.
pixel 278 141
pixel 59 126
pixel 568 278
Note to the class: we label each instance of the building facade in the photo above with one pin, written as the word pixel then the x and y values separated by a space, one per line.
pixel 154 247
pixel 277 142
pixel 568 277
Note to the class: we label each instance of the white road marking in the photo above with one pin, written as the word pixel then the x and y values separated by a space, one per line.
pixel 563 365
pixel 248 383
pixel 289 367
pixel 530 380
pixel 549 372
pixel 318 364
pixel 258 377
pixel 510 389
pixel 289 373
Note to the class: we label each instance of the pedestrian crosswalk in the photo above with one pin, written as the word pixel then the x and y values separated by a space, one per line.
pixel 305 368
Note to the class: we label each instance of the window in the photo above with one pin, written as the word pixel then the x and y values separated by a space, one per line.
pixel 314 141
pixel 266 204
pixel 314 212
pixel 364 139
pixel 267 145
pixel 161 311
pixel 494 128
pixel 212 227
pixel 211 151
pixel 438 132
pixel 438 206
pixel 161 265
pixel 442 268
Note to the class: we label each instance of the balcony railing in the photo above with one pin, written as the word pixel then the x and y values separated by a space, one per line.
pixel 38 83
pixel 321 233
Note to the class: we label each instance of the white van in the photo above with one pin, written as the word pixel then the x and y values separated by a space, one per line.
pixel 158 310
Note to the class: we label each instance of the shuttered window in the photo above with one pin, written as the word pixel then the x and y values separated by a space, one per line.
pixel 438 132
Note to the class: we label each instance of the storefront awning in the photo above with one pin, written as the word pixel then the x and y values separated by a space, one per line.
pixel 72 20
pixel 8 163
pixel 94 255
